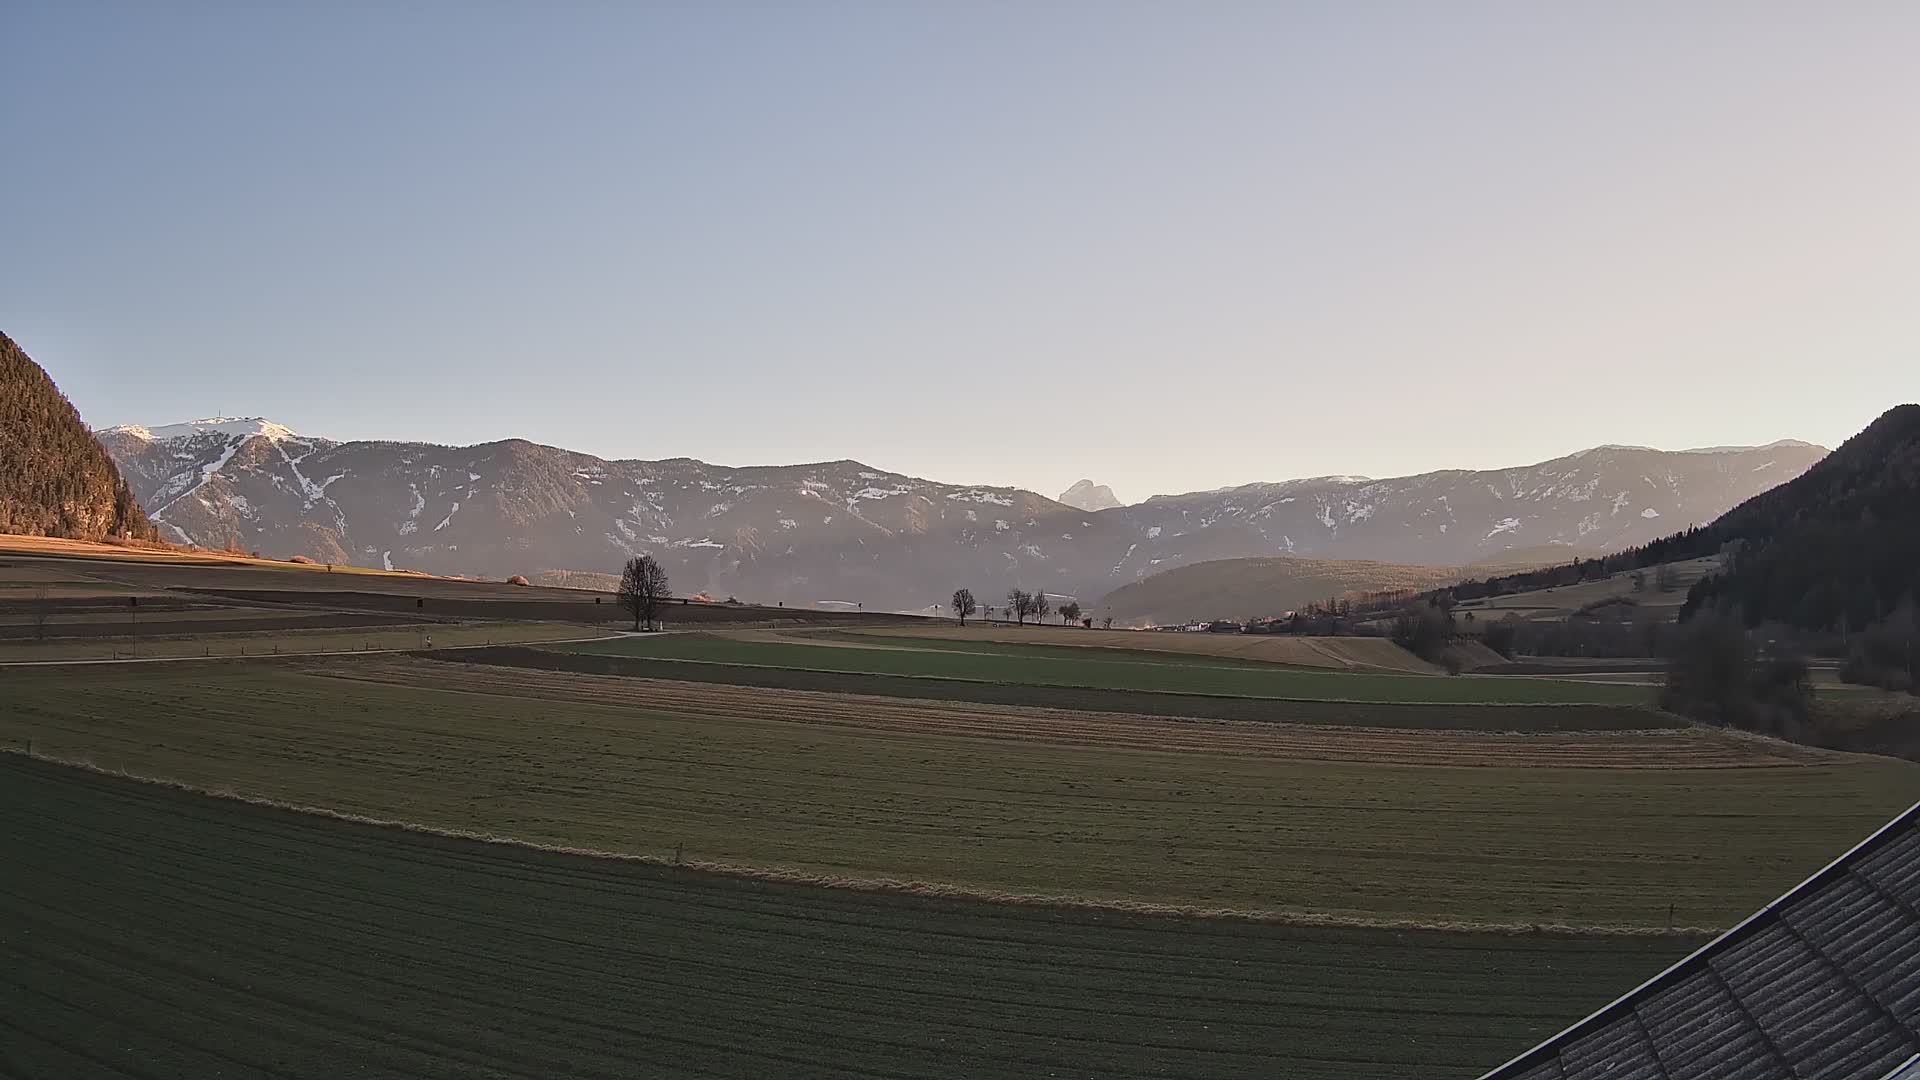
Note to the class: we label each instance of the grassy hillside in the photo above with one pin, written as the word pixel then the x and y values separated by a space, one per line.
pixel 1592 596
pixel 56 479
pixel 1240 588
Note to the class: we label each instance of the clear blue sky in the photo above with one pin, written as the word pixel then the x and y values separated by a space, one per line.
pixel 1165 246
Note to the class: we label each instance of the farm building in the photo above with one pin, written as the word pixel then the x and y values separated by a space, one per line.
pixel 1821 984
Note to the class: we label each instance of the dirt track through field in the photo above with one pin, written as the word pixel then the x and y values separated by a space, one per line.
pixel 1677 748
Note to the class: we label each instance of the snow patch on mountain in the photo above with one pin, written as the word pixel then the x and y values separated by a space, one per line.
pixel 412 523
pixel 229 426
pixel 977 495
pixel 207 472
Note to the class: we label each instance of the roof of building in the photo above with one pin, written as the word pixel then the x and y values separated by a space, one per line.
pixel 1822 983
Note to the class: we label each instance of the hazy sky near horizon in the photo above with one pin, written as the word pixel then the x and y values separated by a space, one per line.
pixel 1168 247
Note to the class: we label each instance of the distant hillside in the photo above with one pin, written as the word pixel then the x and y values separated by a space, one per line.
pixel 55 478
pixel 1836 549
pixel 1243 588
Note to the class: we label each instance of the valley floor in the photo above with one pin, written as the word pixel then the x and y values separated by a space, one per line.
pixel 855 850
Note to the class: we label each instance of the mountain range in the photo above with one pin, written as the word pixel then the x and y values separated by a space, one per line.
pixel 843 531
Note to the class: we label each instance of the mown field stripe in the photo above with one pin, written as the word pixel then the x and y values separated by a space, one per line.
pixel 1197 678
pixel 721 703
pixel 545 964
pixel 1508 716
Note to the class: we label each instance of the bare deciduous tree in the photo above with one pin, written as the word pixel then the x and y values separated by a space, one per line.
pixel 1038 607
pixel 1666 578
pixel 643 586
pixel 963 604
pixel 1070 612
pixel 1021 604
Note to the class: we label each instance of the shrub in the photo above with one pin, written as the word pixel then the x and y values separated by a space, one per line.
pixel 1424 632
pixel 1716 676
pixel 1500 636
pixel 1886 654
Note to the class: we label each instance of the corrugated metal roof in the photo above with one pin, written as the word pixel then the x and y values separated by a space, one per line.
pixel 1821 984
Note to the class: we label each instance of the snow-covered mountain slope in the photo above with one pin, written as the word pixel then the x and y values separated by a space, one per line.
pixel 214 425
pixel 1602 499
pixel 844 531
pixel 1086 495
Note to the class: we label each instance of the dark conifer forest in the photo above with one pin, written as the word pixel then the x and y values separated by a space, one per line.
pixel 55 478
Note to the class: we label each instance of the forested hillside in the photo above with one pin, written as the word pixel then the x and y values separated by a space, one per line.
pixel 1836 549
pixel 55 478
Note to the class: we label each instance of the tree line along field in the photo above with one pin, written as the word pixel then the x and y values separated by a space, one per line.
pixel 1011 664
pixel 1507 831
pixel 151 932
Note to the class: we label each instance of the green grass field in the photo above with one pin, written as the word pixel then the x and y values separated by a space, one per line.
pixel 1351 714
pixel 289 640
pixel 921 640
pixel 1520 843
pixel 160 934
pixel 1047 668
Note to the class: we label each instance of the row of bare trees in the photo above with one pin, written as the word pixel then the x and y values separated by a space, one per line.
pixel 1021 605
